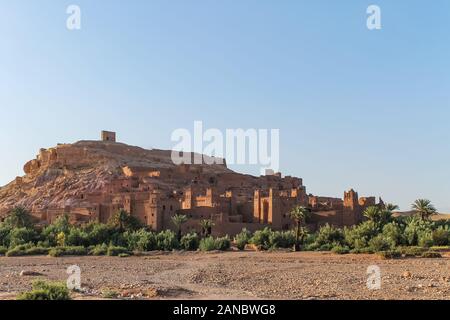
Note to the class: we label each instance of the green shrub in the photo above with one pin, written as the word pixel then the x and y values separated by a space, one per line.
pixel 223 244
pixel 425 239
pixel 441 236
pixel 207 244
pixel 15 252
pixel 77 238
pixel 115 251
pixel 98 250
pixel 328 235
pixel 242 239
pixel 431 255
pixel 3 250
pixel 20 236
pixel 358 237
pixel 68 251
pixel 5 235
pixel 311 247
pixel 166 241
pixel 262 239
pixel 190 242
pixel 390 254
pixel 365 250
pixel 393 233
pixel 340 249
pixel 140 240
pixel 46 291
pixel 109 294
pixel 285 239
pixel 381 243
pixel 326 247
pixel 417 228
pixel 98 233
pixel 37 251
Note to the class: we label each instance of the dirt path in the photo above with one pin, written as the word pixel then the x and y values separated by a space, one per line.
pixel 238 275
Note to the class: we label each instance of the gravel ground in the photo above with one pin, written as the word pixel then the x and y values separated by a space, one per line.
pixel 236 275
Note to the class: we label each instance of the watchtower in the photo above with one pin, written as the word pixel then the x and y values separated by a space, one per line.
pixel 108 136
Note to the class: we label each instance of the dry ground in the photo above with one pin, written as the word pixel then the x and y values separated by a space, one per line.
pixel 237 275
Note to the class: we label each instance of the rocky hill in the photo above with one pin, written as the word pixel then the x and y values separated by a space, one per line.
pixel 59 175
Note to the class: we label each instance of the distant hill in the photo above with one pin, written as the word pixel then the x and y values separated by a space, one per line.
pixel 437 217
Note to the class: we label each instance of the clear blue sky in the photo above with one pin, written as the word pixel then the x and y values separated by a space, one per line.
pixel 356 108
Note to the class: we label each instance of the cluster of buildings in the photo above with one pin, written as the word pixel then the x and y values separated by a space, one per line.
pixel 155 191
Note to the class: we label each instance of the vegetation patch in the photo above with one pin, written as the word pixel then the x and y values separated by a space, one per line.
pixel 43 290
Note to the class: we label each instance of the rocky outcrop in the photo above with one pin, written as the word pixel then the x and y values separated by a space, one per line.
pixel 60 176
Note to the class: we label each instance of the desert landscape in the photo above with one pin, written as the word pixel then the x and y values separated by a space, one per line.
pixel 234 275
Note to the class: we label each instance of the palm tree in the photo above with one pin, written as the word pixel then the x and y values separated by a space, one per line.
pixel 178 220
pixel 19 217
pixel 372 213
pixel 299 215
pixel 206 225
pixel 424 208
pixel 379 216
pixel 391 207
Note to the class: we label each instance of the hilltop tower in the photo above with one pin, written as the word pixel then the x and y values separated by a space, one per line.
pixel 108 136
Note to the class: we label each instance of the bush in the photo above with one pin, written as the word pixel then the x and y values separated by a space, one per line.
pixel 5 235
pixel 140 240
pixel 340 249
pixel 328 235
pixel 77 238
pixel 441 236
pixel 326 247
pixel 431 255
pixel 110 294
pixel 114 251
pixel 223 244
pixel 98 250
pixel 190 242
pixel 15 252
pixel 68 251
pixel 242 239
pixel 20 236
pixel 3 250
pixel 425 239
pixel 381 243
pixel 208 244
pixel 358 237
pixel 262 239
pixel 285 239
pixel 365 250
pixel 390 254
pixel 37 251
pixel 98 233
pixel 312 247
pixel 166 241
pixel 46 291
pixel 417 228
pixel 393 233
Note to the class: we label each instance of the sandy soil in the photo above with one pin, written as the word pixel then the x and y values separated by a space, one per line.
pixel 236 275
